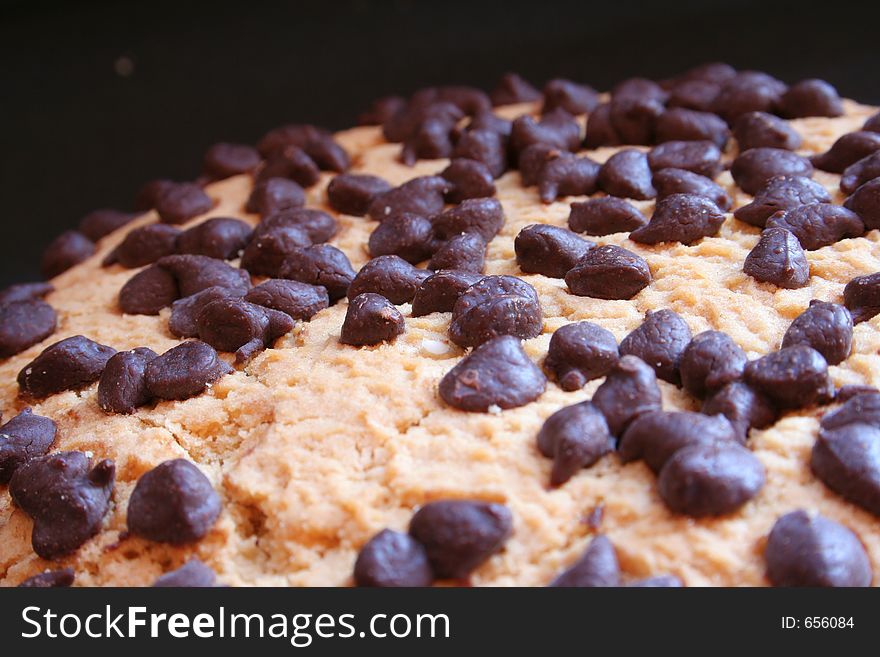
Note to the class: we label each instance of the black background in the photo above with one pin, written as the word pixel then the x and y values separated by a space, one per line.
pixel 76 135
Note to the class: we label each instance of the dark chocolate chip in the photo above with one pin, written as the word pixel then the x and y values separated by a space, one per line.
pixel 752 169
pixel 512 88
pixel 25 292
pixel 24 324
pixel 626 174
pixel 742 405
pixel 144 246
pixel 382 110
pixel 862 297
pixel 865 202
pixel 192 574
pixel 50 579
pixel 604 216
pixel 352 193
pixel 659 341
pixel 148 291
pixel 629 390
pixel 557 129
pixel 778 259
pixel 567 175
pixel 287 135
pixel 850 390
pixel 609 272
pixel 422 196
pixel 149 194
pixel 465 252
pixel 459 535
pixel 185 311
pixel 122 386
pixel 873 123
pixel 811 98
pixel 488 120
pixel 531 161
pixel 574 98
pixel 678 181
pixel 321 264
pixel 468 179
pixel 549 250
pixel 292 163
pixel 701 157
pixel 485 146
pixel 497 373
pixel 195 273
pixel 810 550
pixel 392 559
pixel 469 100
pixel 683 218
pixel 403 125
pixel 818 224
pixel 24 437
pixel 748 91
pixel 431 139
pixel 317 224
pixel 391 276
pixel 370 320
pixel 580 352
pixel 597 567
pixel 634 118
pixel 223 160
pixel 658 582
pixel 173 503
pixel 781 193
pixel 67 250
pixel 66 365
pixel 99 223
pixel 762 130
pixel 681 124
pixel 220 237
pixel 327 154
pixel 639 88
pixel 574 437
pixel 181 202
pixel 299 300
pixel 66 497
pixel 440 291
pixel 184 371
pixel 483 216
pixel 826 327
pixel 856 175
pixel 236 325
pixel 656 436
pixel 847 460
pixel 793 377
pixel 864 408
pixel 493 306
pixel 847 150
pixel 710 362
pixel 406 235
pixel 600 131
pixel 271 195
pixel 710 479
pixel 271 245
pixel 698 95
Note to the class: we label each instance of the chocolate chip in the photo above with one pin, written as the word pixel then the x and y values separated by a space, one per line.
pixel 237 325
pixel 406 235
pixel 327 154
pixel 391 276
pixel 604 216
pixel 865 202
pixel 710 362
pixel 696 95
pixel 856 175
pixel 639 88
pixel 317 224
pixel 181 202
pixel 484 146
pixel 24 324
pixel 681 124
pixel 597 567
pixel 556 129
pixel 659 341
pixel 149 194
pixel 574 437
pixel 483 216
pixel 370 320
pixel 25 292
pixel 762 130
pixel 223 160
pixel 497 373
pixel 422 196
pixel 609 272
pixel 600 132
pixel 403 125
pixel 465 252
pixel 658 581
pixel 574 98
pixel 185 311
pixel 321 264
pixel 811 98
pixel 818 224
pixel 512 88
pixel 864 408
pixel 710 479
pixel 288 135
pixel 99 223
pixel 459 535
pixel 781 193
pixel 567 175
pixel 148 291
pixel 488 120
pixel 810 550
pixel 873 123
pixel 549 250
pixel 634 118
pixel 66 497
pixel 195 273
pixel 50 579
pixel 24 437
pixel 748 91
pixel 468 179
pixel 382 110
pixel 144 246
pixel 493 306
pixel 67 250
pixel 220 237
pixel 184 371
pixel 862 297
pixel 72 363
pixel 392 559
pixel 826 327
pixel 469 100
pixel 683 218
pixel 292 163
pixel 192 574
pixel 743 406
pixel 271 195
pixel 778 258
pixel 629 390
pixel 440 291
pixel 752 169
pixel 847 150
pixel 847 460
pixel 626 174
pixel 531 161
pixel 267 251
pixel 299 300
pixel 580 352
pixel 173 503
pixel 793 377
pixel 850 390
pixel 656 436
pixel 122 387
pixel 431 139
pixel 352 193
pixel 701 157
pixel 678 181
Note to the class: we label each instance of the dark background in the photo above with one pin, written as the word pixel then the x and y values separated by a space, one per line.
pixel 98 97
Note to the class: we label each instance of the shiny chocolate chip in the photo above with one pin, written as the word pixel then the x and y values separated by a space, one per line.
pixel 148 291
pixel 496 305
pixel 865 202
pixel 549 250
pixel 683 218
pixel 847 460
pixel 709 362
pixel 567 175
pixel 701 157
pixel 826 327
pixel 604 216
pixel 181 202
pixel 149 194
pixel 291 163
pixel 681 124
pixel 574 98
pixel 406 235
pixel 245 328
pixel 195 273
pixel 857 174
pixel 847 150
pixel 752 169
pixel 25 292
pixel 600 131
pixel 818 224
pixel 122 387
pixel 468 179
pixel 597 567
pixel 26 436
pixel 629 390
pixel 557 130
pixel 743 406
pixel 24 324
pixel 863 408
pixel 483 216
pixel 634 117
pixel 422 196
pixel 781 193
pixel 762 130
pixel 627 174
pixel 220 237
pixel 185 311
pixel 465 252
pixel 793 377
pixel 299 300
pixel 391 276
pixel 659 341
pixel 485 146
pixel 352 194
pixel 679 181
pixel 811 98
pixel 609 272
pixel 748 91
pixel 580 352
pixel 271 195
pixel 392 559
pixel 574 437
pixel 70 364
pixel 270 246
pixel 50 579
pixel 371 319
pixel 144 246
pixel 440 291
pixel 320 264
pixel 184 371
pixel 778 258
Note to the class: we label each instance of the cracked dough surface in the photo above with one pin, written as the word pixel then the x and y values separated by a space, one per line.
pixel 315 446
